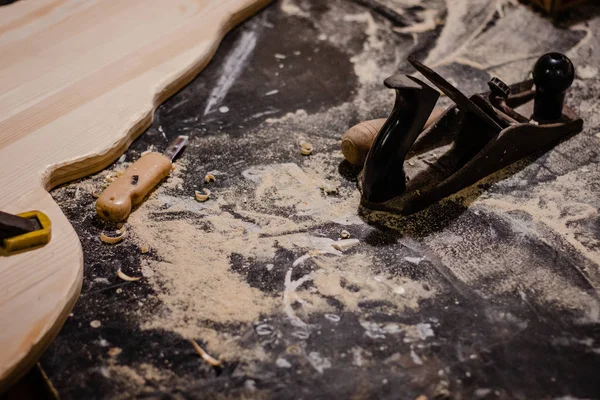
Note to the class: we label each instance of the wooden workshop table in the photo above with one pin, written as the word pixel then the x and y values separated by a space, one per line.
pixel 493 294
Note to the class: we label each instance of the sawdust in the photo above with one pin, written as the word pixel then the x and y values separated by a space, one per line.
pixel 456 34
pixel 334 277
pixel 193 282
pixel 587 72
pixel 192 276
pixel 290 8
pixel 125 377
pixel 151 373
pixel 287 185
pixel 563 207
pixel 543 220
pixel 138 378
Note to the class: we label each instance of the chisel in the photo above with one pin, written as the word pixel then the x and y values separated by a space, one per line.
pixel 131 188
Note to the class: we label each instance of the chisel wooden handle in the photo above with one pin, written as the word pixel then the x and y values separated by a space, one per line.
pixel 358 140
pixel 132 187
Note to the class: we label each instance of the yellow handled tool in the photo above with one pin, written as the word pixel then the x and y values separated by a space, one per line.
pixel 131 188
pixel 23 232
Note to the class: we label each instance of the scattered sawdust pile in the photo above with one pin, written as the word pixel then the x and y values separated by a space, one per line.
pixel 333 278
pixel 195 271
pixel 289 186
pixel 192 275
pixel 134 379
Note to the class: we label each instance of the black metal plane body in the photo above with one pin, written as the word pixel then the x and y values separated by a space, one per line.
pixel 458 150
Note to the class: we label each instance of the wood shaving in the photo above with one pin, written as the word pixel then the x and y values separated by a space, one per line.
pixel 294 349
pixel 114 351
pixel 429 24
pixel 306 148
pixel 306 145
pixel 205 356
pixel 345 244
pixel 113 239
pixel 95 195
pixel 209 178
pixel 345 234
pixel 95 324
pixel 203 196
pixel 126 277
pixel 144 249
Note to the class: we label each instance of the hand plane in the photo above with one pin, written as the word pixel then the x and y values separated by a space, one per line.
pixel 408 168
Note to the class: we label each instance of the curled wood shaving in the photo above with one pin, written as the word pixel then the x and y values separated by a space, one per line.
pixel 306 148
pixel 114 351
pixel 203 196
pixel 113 239
pixel 294 349
pixel 95 324
pixel 209 178
pixel 205 356
pixel 126 277
pixel 345 234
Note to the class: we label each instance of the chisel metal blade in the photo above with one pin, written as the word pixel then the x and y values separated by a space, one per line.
pixel 175 148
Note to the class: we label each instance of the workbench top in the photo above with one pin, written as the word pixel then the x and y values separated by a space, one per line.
pixel 492 294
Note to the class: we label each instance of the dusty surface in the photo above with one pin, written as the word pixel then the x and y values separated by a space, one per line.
pixel 492 294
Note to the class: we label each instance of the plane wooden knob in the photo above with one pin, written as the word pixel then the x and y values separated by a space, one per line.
pixel 357 140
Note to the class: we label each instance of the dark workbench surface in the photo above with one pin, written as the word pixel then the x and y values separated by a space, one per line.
pixel 498 295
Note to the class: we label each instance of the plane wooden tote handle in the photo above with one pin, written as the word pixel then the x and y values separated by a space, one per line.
pixel 358 140
pixel 130 189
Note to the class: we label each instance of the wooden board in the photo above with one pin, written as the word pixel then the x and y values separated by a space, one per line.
pixel 80 81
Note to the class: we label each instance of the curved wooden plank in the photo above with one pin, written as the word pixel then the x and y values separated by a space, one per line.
pixel 81 80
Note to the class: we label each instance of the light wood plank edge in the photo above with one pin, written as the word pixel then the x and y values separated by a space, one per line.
pixel 13 375
pixel 92 164
pixel 89 165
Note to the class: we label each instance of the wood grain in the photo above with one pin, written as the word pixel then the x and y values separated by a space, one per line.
pixel 80 81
